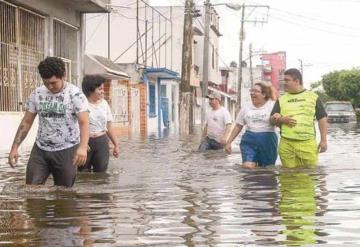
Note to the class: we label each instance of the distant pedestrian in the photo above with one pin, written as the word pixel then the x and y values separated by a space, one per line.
pixel 295 113
pixel 63 133
pixel 217 125
pixel 100 125
pixel 259 143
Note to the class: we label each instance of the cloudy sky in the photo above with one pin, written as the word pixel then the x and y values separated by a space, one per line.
pixel 324 34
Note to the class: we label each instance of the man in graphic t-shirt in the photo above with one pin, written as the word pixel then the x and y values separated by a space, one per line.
pixel 217 125
pixel 63 133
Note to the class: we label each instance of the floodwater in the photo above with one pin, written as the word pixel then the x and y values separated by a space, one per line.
pixel 161 192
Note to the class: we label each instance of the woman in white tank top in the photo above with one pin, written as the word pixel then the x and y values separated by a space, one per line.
pixel 101 129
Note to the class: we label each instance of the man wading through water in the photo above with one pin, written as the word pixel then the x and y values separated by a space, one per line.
pixel 217 126
pixel 63 133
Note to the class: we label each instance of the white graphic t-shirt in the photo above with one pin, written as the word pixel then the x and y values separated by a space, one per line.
pixel 58 124
pixel 100 115
pixel 216 121
pixel 256 119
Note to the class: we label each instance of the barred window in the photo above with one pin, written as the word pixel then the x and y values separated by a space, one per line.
pixel 21 49
pixel 65 47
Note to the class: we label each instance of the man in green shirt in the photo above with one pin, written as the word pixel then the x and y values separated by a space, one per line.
pixel 295 113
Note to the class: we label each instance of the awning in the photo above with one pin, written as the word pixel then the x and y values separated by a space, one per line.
pixel 88 6
pixel 161 73
pixel 95 64
pixel 222 93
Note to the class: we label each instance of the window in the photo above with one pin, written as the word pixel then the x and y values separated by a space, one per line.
pixel 22 39
pixel 65 47
pixel 152 100
pixel 163 91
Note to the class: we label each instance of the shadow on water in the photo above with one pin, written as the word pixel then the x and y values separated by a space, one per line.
pixel 162 192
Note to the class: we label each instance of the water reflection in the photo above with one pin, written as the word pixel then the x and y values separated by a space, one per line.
pixel 298 207
pixel 161 192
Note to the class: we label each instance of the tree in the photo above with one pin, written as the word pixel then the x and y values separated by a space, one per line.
pixel 343 85
pixel 317 88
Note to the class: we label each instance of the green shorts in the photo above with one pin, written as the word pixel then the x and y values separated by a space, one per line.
pixel 294 153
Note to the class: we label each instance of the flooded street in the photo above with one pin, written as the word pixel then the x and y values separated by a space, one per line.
pixel 161 192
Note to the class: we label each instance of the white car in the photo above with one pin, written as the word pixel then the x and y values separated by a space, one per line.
pixel 340 112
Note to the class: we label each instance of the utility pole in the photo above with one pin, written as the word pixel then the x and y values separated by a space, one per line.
pixel 250 64
pixel 301 66
pixel 109 34
pixel 137 31
pixel 242 32
pixel 241 56
pixel 205 77
pixel 186 96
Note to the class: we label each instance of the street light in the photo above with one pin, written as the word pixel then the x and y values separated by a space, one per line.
pixel 233 6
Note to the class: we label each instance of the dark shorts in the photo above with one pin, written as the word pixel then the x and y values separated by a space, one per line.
pixel 260 148
pixel 58 163
pixel 210 144
pixel 98 156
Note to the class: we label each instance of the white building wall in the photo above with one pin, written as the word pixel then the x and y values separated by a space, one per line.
pixel 9 123
pixel 123 34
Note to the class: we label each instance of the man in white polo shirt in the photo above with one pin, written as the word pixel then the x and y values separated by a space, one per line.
pixel 217 125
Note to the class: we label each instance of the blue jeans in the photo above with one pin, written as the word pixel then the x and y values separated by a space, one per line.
pixel 259 147
pixel 209 144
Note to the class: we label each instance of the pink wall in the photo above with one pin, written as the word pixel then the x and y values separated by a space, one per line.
pixel 277 62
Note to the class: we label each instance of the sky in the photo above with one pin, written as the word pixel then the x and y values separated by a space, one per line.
pixel 324 34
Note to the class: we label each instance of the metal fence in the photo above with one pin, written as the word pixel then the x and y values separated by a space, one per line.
pixel 22 41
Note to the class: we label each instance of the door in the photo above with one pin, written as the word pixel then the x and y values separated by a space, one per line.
pixel 120 104
pixel 165 111
pixel 135 109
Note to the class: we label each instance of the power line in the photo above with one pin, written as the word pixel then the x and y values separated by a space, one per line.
pixel 332 24
pixel 288 21
pixel 221 59
pixel 95 30
pixel 88 17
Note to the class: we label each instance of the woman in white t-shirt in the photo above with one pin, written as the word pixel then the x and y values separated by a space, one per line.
pixel 259 143
pixel 101 129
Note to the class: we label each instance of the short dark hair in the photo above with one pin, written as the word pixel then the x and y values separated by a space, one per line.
pixel 295 74
pixel 51 66
pixel 91 82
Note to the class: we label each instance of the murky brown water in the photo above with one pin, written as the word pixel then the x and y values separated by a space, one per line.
pixel 163 193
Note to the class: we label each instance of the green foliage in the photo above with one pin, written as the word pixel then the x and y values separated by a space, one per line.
pixel 343 85
pixel 323 96
pixel 316 87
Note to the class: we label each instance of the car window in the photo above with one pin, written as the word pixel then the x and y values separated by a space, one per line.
pixel 339 107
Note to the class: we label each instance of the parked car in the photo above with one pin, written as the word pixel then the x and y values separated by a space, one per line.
pixel 340 112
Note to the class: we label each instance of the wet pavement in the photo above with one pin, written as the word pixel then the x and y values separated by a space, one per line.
pixel 161 192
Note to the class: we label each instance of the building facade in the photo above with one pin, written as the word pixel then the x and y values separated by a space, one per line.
pixel 30 30
pixel 154 39
pixel 230 81
pixel 274 66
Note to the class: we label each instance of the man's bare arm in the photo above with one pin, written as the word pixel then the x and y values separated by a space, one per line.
pixel 204 133
pixel 21 134
pixel 323 134
pixel 81 152
pixel 24 128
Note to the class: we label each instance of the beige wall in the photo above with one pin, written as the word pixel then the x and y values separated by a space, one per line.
pixel 9 122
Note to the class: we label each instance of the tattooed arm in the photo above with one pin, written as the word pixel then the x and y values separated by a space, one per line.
pixel 21 133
